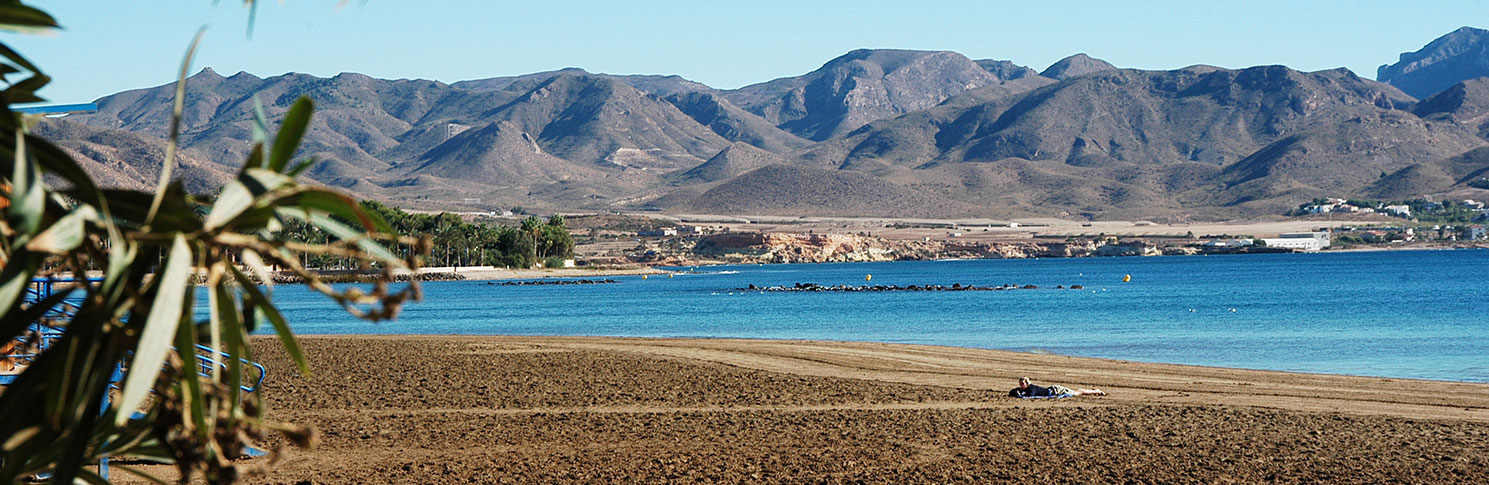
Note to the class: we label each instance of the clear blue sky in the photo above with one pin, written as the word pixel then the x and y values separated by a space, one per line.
pixel 110 46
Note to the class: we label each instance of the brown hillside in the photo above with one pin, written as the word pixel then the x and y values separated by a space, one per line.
pixel 786 190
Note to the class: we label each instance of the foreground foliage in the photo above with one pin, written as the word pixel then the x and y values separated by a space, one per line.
pixel 139 309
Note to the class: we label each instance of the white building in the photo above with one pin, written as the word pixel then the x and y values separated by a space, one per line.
pixel 663 232
pixel 1302 241
pixel 1228 243
pixel 1398 210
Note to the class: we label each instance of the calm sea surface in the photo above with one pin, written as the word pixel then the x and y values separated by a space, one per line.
pixel 1417 314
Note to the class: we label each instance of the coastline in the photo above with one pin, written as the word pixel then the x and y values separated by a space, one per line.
pixel 591 409
pixel 482 273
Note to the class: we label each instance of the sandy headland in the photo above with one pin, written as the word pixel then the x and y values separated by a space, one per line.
pixel 444 409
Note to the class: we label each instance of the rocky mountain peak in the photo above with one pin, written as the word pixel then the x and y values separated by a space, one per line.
pixel 1006 70
pixel 859 87
pixel 1079 64
pixel 1457 56
pixel 207 73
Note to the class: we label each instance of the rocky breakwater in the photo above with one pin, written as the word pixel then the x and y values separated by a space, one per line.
pixel 553 282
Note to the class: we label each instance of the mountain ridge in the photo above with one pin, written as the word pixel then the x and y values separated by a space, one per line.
pixel 871 132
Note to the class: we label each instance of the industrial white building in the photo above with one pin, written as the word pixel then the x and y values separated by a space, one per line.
pixel 1302 241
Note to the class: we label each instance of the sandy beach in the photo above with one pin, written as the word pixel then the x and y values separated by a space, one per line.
pixel 444 409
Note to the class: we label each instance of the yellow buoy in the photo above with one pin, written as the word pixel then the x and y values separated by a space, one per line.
pixel 669 275
pixel 868 277
pixel 643 277
pixel 1126 278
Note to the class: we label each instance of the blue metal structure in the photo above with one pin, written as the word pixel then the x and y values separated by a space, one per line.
pixel 40 335
pixel 57 109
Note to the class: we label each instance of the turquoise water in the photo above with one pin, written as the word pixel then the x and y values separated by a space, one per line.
pixel 1416 314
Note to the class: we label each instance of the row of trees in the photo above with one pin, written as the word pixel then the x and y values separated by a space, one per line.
pixel 459 243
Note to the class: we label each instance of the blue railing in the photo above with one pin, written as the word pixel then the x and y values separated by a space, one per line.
pixel 42 334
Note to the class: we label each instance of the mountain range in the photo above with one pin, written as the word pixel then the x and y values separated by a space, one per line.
pixel 874 132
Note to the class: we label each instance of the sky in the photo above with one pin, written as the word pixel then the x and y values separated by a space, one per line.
pixel 112 46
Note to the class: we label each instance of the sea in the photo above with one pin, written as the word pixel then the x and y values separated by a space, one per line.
pixel 1408 314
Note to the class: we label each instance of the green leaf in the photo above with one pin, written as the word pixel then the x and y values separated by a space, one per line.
pixel 264 309
pixel 186 350
pixel 291 131
pixel 173 139
pixel 17 17
pixel 256 264
pixel 64 234
pixel 149 449
pixel 253 13
pixel 27 198
pixel 15 275
pixel 130 207
pixel 301 168
pixel 214 332
pixel 255 158
pixel 346 233
pixel 260 126
pixel 13 323
pixel 160 327
pixel 16 58
pixel 121 253
pixel 29 85
pixel 51 159
pixel 260 180
pixel 233 200
pixel 338 204
pixel 225 313
pixel 25 90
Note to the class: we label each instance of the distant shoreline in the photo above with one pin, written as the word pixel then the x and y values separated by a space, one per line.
pixel 491 273
pixel 485 273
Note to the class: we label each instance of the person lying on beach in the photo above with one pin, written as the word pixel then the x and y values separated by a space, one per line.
pixel 1027 389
